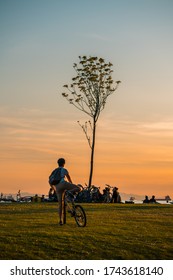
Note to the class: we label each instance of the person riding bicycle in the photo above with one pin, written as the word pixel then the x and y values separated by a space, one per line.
pixel 64 185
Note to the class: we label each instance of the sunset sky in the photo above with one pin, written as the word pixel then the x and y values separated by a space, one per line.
pixel 39 42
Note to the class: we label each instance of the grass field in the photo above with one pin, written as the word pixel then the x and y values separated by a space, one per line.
pixel 124 231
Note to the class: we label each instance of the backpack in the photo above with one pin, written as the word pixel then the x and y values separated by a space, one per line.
pixel 55 177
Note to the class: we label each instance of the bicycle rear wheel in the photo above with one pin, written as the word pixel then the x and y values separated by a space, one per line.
pixel 80 216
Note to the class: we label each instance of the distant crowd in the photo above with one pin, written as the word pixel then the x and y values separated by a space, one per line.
pixel 93 194
pixel 151 200
pixel 87 195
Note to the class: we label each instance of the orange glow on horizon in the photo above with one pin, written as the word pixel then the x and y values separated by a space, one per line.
pixel 135 156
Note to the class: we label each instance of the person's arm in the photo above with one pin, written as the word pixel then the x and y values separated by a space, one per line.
pixel 69 178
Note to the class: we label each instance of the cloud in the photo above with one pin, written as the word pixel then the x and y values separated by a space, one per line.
pixel 30 133
pixel 129 126
pixel 36 134
pixel 159 127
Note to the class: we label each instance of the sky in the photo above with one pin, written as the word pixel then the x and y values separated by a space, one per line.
pixel 40 40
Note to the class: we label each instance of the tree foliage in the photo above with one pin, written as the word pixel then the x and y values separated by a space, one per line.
pixel 89 90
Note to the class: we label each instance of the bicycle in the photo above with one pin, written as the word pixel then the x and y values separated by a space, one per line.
pixel 76 210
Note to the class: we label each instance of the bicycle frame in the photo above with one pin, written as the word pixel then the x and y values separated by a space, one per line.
pixel 75 210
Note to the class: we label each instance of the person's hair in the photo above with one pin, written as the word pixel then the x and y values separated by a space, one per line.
pixel 61 161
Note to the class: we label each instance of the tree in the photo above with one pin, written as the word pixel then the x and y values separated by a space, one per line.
pixel 88 92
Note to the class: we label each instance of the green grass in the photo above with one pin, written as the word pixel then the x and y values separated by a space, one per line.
pixel 124 231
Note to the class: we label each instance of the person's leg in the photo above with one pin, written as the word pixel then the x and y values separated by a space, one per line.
pixel 72 187
pixel 60 190
pixel 60 198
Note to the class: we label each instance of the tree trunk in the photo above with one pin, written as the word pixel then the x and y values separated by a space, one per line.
pixel 92 154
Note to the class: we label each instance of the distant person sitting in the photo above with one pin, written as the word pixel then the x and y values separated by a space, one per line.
pixel 146 200
pixel 52 194
pixel 153 200
pixel 116 198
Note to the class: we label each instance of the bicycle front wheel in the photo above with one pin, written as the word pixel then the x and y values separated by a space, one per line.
pixel 80 216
